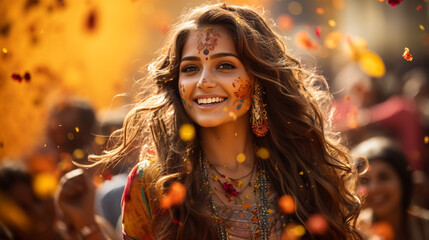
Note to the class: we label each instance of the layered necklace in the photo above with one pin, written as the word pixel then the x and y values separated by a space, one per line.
pixel 257 218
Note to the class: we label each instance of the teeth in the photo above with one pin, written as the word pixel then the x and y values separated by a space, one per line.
pixel 210 100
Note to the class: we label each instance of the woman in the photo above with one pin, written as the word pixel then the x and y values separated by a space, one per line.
pixel 387 189
pixel 226 72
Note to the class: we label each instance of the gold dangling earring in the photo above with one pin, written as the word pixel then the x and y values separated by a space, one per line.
pixel 259 119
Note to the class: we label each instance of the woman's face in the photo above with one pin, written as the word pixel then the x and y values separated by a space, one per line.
pixel 382 187
pixel 213 83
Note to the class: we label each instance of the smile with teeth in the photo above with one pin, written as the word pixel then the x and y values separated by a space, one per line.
pixel 210 100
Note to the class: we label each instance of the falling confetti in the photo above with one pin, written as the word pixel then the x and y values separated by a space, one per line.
pixel 4 50
pixel 287 204
pixel 372 64
pixel 76 129
pixel 285 22
pixel 263 153
pixel 45 185
pixel 295 8
pixel 241 157
pixel 382 230
pixel 318 31
pixel 421 27
pixel 426 140
pixel 233 115
pixel 175 196
pixel 13 215
pixel 320 11
pixel 16 77
pixel 187 132
pixel 419 7
pixel 332 23
pixel 393 3
pixel 302 40
pixel 78 153
pixel 317 224
pixel 407 55
pixel 333 39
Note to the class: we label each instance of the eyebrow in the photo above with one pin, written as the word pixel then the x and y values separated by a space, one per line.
pixel 214 56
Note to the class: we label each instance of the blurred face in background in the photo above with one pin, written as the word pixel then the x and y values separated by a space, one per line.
pixel 381 189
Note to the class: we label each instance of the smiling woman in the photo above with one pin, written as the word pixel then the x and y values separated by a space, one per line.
pixel 260 133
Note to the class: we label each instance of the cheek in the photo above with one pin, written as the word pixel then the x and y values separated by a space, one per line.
pixel 186 101
pixel 243 91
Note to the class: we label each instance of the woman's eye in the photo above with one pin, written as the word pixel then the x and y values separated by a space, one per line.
pixel 226 66
pixel 189 69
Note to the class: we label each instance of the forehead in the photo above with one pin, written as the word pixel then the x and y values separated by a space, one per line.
pixel 216 38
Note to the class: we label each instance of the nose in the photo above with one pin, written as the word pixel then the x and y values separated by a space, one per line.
pixel 206 81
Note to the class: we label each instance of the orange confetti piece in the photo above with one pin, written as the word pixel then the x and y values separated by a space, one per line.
pixel 347 98
pixel 317 224
pixel 187 132
pixel 302 40
pixel 333 39
pixel 76 129
pixel 407 55
pixel 421 27
pixel 285 22
pixel 175 196
pixel 78 153
pixel 287 204
pixel 320 11
pixel 382 230
pixel 426 140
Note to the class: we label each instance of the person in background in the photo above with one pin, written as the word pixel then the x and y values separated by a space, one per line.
pixel 387 189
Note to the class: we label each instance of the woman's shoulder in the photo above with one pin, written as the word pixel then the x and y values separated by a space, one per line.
pixel 136 210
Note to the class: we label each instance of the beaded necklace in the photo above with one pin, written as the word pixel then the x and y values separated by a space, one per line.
pixel 260 190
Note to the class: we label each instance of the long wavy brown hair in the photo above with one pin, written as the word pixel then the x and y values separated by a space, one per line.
pixel 299 141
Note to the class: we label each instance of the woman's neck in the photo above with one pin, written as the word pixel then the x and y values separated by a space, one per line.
pixel 394 219
pixel 222 144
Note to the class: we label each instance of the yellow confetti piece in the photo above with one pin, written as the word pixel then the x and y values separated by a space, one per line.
pixel 237 19
pixel 372 64
pixel 4 50
pixel 45 185
pixel 241 157
pixel 332 23
pixel 70 136
pixel 78 153
pixel 421 27
pixel 12 214
pixel 299 231
pixel 263 153
pixel 76 129
pixel 187 132
pixel 333 39
pixel 233 115
pixel 99 140
pixel 426 139
pixel 225 109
